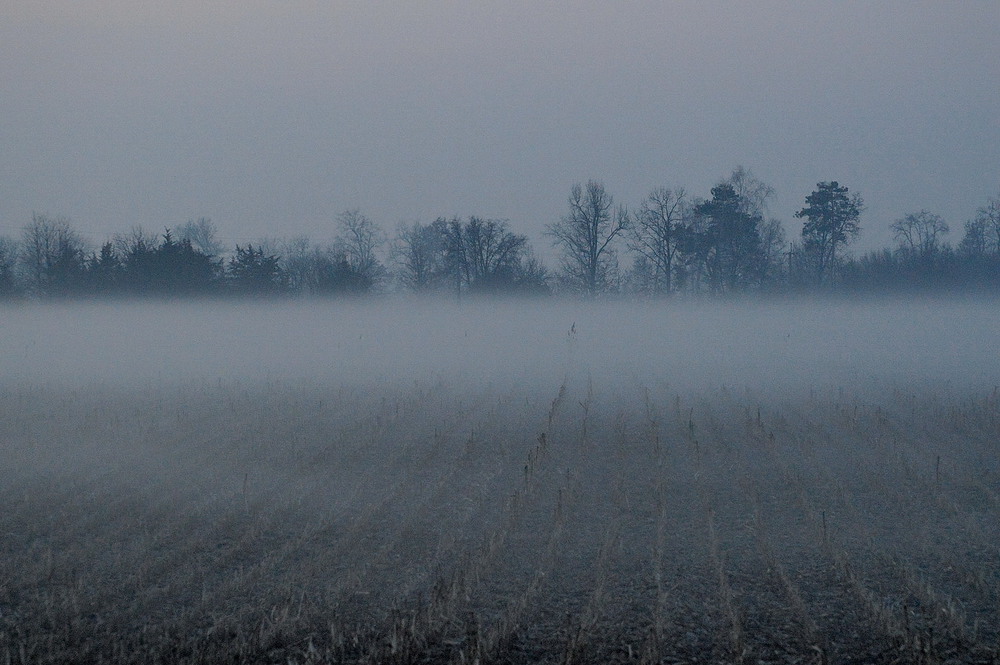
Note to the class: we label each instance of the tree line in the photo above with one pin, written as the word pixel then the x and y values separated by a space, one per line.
pixel 670 243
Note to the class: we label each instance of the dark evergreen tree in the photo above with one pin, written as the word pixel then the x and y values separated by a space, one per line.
pixel 171 268
pixel 106 271
pixel 331 273
pixel 252 272
pixel 726 241
pixel 831 222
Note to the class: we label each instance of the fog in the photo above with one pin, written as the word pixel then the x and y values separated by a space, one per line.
pixel 779 346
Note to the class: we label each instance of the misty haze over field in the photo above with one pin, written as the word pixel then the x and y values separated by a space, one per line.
pixel 499 333
pixel 505 481
pixel 777 346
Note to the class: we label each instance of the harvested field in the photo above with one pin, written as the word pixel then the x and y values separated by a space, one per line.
pixel 572 519
pixel 282 524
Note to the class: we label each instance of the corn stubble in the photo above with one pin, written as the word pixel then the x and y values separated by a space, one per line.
pixel 430 523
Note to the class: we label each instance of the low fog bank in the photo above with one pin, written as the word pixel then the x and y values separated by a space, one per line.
pixel 775 346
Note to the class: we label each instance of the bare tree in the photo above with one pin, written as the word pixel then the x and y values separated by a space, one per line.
pixel 753 193
pixel 52 254
pixel 294 259
pixel 418 251
pixel 480 255
pixel 773 250
pixel 453 259
pixel 360 238
pixel 493 254
pixel 989 217
pixel 8 266
pixel 532 276
pixel 135 242
pixel 202 234
pixel 655 232
pixel 918 233
pixel 975 241
pixel 754 196
pixel 586 235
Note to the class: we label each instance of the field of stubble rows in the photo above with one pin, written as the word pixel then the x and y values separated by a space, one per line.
pixel 575 518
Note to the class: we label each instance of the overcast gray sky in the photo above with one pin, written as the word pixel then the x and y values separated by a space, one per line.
pixel 272 117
